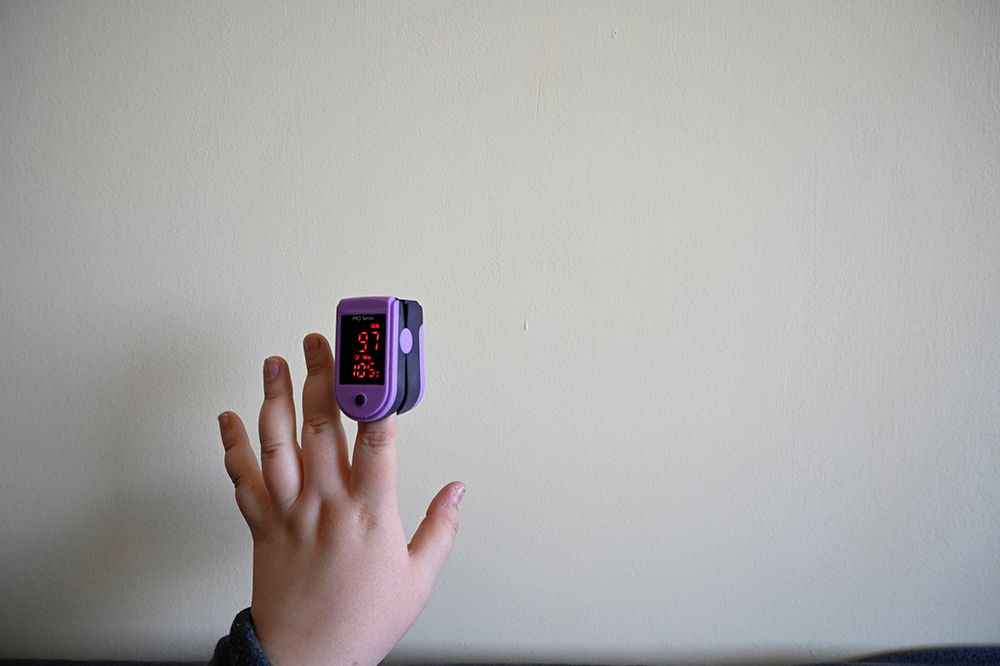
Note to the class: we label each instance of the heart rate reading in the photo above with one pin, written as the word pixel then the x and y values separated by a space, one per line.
pixel 362 342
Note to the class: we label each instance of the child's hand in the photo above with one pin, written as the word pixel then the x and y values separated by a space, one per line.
pixel 334 581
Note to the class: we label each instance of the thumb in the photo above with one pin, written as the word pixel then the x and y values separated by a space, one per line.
pixel 432 541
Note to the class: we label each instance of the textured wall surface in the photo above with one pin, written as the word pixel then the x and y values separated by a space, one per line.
pixel 712 295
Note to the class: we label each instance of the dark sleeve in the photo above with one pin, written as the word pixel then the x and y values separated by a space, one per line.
pixel 240 647
pixel 982 655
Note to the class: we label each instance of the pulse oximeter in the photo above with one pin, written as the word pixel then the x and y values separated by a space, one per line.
pixel 379 355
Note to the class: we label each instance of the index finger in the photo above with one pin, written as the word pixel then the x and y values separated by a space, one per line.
pixel 373 472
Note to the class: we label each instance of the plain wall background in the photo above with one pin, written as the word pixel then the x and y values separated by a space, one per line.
pixel 712 295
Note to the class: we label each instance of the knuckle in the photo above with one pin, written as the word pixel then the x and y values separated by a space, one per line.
pixel 371 520
pixel 229 441
pixel 318 367
pixel 367 522
pixel 238 476
pixel 449 519
pixel 377 438
pixel 270 448
pixel 320 423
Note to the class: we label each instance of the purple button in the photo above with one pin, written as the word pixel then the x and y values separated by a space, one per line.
pixel 405 341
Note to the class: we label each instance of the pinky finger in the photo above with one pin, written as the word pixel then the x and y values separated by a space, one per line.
pixel 241 464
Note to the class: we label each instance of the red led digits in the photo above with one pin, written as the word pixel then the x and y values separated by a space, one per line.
pixel 364 365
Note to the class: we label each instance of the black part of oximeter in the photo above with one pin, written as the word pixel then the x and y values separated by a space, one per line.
pixel 413 320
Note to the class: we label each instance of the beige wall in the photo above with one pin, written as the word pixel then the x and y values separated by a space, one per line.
pixel 713 303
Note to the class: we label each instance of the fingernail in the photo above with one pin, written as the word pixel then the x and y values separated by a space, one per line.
pixel 458 494
pixel 311 344
pixel 271 367
pixel 224 422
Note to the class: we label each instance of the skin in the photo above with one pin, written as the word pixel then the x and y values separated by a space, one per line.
pixel 334 580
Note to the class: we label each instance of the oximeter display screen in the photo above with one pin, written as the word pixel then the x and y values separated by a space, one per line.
pixel 362 349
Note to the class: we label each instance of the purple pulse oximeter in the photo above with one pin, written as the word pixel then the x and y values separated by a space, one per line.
pixel 379 357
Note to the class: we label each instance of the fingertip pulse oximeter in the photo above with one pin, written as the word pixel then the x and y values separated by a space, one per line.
pixel 379 363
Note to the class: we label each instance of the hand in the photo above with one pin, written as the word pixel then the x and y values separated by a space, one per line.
pixel 334 581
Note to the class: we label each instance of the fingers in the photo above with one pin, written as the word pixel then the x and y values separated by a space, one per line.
pixel 241 464
pixel 432 541
pixel 281 463
pixel 324 444
pixel 373 475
